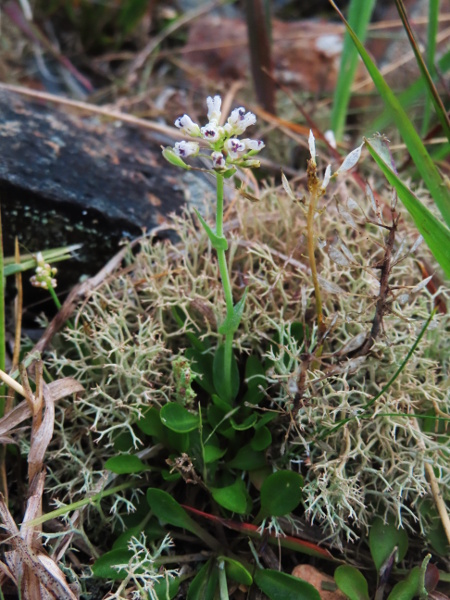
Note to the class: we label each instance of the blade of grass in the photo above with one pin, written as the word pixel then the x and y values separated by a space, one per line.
pixel 432 91
pixel 427 169
pixel 432 31
pixel 435 233
pixel 411 95
pixel 359 14
pixel 28 261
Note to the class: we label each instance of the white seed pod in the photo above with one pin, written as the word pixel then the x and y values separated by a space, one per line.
pixel 373 203
pixel 346 216
pixel 346 252
pixel 352 204
pixel 350 160
pixel 354 343
pixel 416 244
pixel 337 257
pixel 329 286
pixel 403 298
pixel 399 251
pixel 287 187
pixel 421 285
pixel 326 177
pixel 312 145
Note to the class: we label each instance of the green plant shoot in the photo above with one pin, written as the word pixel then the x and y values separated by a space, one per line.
pixel 228 152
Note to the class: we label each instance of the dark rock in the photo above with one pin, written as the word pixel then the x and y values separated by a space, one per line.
pixel 68 179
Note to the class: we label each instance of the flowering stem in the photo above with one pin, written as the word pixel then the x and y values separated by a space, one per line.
pixel 314 194
pixel 226 284
pixel 54 297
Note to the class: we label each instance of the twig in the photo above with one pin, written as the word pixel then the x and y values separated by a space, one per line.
pixel 382 303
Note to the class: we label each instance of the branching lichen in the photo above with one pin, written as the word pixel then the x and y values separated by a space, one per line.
pixel 126 338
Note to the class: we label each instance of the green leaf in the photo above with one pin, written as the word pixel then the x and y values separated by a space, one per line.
pixel 153 531
pixel 435 532
pixel 166 508
pixel 178 419
pixel 151 424
pixel 247 459
pixel 231 323
pixel 255 374
pixel 435 233
pixel 236 570
pixel 247 423
pixel 167 589
pixel 220 377
pixel 352 583
pixel 212 453
pixel 262 439
pixel 280 586
pixel 123 442
pixel 218 242
pixel 281 493
pixel 203 368
pixel 424 164
pixel 233 497
pixel 205 583
pixel 125 463
pixel 383 538
pixel 409 588
pixel 105 565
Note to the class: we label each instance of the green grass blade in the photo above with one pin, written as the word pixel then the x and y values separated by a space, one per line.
pixel 427 169
pixel 432 31
pixel 432 91
pixel 359 17
pixel 410 96
pixel 435 233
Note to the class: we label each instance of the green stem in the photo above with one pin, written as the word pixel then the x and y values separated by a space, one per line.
pixel 226 283
pixel 54 297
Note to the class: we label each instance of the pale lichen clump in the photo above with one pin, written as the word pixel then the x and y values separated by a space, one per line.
pixel 126 339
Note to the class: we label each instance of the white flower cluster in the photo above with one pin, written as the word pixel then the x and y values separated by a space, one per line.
pixel 45 274
pixel 226 148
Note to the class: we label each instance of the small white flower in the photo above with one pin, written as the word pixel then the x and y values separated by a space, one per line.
pixel 236 148
pixel 312 146
pixel 214 105
pixel 187 126
pixel 212 132
pixel 184 149
pixel 44 277
pixel 218 160
pixel 238 121
pixel 253 145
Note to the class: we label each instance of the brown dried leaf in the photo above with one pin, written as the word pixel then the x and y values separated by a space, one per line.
pixel 38 582
pixel 316 578
pixel 59 389
pixel 41 435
